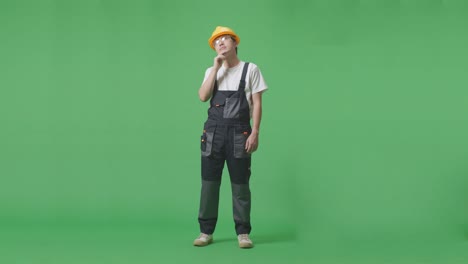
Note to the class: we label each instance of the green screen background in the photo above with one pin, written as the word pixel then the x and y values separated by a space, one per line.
pixel 363 145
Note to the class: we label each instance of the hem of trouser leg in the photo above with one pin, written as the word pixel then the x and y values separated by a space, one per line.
pixel 207 230
pixel 241 232
pixel 243 227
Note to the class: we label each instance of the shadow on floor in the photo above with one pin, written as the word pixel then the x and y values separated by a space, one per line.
pixel 275 238
pixel 262 239
pixel 227 239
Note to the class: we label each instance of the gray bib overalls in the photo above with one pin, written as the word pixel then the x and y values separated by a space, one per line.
pixel 223 140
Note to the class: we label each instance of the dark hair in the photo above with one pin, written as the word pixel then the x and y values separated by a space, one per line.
pixel 233 39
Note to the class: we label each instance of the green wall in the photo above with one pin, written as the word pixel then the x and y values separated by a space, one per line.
pixel 363 143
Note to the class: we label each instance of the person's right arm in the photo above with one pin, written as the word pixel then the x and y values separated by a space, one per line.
pixel 206 89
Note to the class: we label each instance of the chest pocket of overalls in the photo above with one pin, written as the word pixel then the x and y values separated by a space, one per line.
pixel 232 107
pixel 207 139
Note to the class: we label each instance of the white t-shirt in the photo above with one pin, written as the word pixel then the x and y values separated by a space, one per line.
pixel 229 78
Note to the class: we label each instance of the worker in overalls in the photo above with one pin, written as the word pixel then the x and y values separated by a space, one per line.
pixel 235 88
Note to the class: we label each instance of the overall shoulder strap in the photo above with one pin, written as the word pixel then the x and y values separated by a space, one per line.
pixel 244 74
pixel 215 89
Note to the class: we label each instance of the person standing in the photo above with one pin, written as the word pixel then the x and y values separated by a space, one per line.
pixel 235 88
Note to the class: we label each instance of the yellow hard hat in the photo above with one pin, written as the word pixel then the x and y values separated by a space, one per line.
pixel 219 31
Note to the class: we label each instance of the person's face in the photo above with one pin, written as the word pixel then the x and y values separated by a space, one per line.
pixel 224 44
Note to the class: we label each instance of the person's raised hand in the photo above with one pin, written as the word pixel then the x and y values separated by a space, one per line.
pixel 218 61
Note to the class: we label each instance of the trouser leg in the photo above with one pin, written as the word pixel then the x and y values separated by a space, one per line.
pixel 239 170
pixel 209 201
pixel 212 169
pixel 241 201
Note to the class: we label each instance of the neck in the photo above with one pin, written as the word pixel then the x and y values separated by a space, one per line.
pixel 231 61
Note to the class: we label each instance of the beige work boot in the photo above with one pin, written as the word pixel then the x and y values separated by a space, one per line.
pixel 244 241
pixel 203 240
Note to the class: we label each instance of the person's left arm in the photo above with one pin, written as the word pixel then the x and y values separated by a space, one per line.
pixel 252 141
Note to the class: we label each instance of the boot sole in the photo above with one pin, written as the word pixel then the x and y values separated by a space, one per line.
pixel 242 245
pixel 201 244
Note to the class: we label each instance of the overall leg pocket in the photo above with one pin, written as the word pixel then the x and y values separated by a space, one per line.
pixel 207 139
pixel 240 138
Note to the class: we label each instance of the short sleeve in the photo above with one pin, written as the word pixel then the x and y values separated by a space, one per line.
pixel 257 82
pixel 207 72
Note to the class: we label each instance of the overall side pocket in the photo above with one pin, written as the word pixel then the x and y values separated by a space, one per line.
pixel 207 139
pixel 240 138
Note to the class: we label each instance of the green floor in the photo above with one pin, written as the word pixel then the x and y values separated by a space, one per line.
pixel 144 243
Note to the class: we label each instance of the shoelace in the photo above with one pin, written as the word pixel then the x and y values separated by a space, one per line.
pixel 203 236
pixel 245 237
